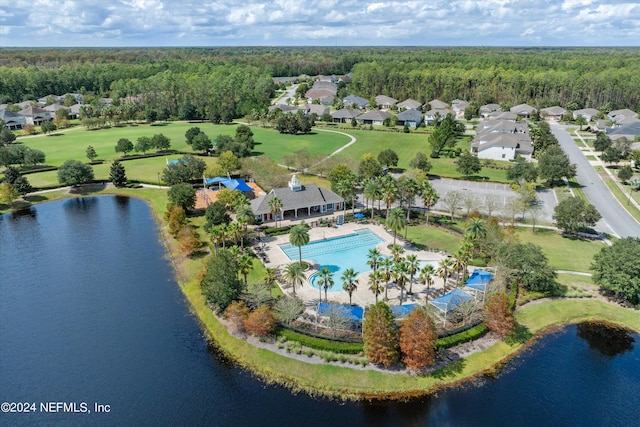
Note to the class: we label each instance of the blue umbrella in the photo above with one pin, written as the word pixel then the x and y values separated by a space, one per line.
pixel 358 215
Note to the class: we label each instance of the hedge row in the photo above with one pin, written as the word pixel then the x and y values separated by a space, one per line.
pixel 277 231
pixel 466 336
pixel 321 343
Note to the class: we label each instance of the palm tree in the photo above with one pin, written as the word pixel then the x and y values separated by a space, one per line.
pixel 373 259
pixel 349 281
pixel 396 252
pixel 294 274
pixel 275 207
pixel 412 265
pixel 343 188
pixel 270 276
pixel 426 277
pixel 245 264
pixel 244 216
pixel 475 229
pixel 389 192
pixel 218 235
pixel 233 230
pixel 399 272
pixel 372 192
pixel 396 222
pixel 429 197
pixel 374 283
pixel 325 281
pixel 409 188
pixel 445 267
pixel 386 265
pixel 299 236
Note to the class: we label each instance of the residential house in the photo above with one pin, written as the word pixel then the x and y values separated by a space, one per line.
pixel 355 101
pixel 74 111
pixel 344 116
pixel 325 91
pixel 25 104
pixel 553 113
pixel 317 109
pixel 502 146
pixel 503 115
pixel 436 104
pixel 409 104
pixel 35 116
pixel 629 131
pixel 44 100
pixel 285 108
pixel 523 110
pixel 587 113
pixel 623 117
pixel 297 199
pixel 502 140
pixel 458 106
pixel 53 108
pixel 373 117
pixel 411 118
pixel 331 79
pixel 487 109
pixel 431 115
pixel 601 125
pixel 385 102
pixel 13 121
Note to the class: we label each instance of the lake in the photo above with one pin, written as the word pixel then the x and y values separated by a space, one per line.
pixel 90 313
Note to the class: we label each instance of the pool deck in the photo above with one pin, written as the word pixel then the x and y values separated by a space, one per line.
pixel 362 296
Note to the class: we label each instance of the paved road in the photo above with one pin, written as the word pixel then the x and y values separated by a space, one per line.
pixel 615 219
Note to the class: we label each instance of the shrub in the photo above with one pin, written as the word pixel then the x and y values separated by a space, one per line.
pixel 260 322
pixel 320 343
pixel 236 313
pixel 462 337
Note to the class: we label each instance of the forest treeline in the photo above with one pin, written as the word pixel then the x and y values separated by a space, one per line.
pixel 240 78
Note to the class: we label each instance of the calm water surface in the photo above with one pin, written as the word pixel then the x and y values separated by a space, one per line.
pixel 89 312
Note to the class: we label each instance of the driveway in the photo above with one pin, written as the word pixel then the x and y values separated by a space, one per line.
pixel 615 219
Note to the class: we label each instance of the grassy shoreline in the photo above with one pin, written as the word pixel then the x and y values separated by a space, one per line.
pixel 350 384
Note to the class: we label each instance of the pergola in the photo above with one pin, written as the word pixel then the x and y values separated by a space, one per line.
pixel 450 301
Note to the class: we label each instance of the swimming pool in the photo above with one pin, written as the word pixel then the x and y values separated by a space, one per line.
pixel 337 254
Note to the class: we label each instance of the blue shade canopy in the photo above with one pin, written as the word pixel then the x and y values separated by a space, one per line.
pixel 451 300
pixel 231 184
pixel 358 215
pixel 402 311
pixel 479 280
pixel 354 312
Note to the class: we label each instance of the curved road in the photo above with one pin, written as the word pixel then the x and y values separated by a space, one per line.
pixel 615 219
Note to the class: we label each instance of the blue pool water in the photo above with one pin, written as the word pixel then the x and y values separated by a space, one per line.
pixel 337 254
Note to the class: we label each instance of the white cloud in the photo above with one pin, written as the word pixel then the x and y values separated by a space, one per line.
pixel 345 22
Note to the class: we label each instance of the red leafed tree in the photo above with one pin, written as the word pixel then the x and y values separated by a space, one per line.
pixel 236 313
pixel 380 335
pixel 497 315
pixel 418 338
pixel 260 322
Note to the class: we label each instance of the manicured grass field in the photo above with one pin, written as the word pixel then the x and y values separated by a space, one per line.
pixel 564 253
pixel 624 198
pixel 433 238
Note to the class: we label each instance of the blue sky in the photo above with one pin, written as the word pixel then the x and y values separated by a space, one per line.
pixel 319 23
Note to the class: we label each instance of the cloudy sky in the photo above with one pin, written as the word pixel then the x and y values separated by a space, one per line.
pixel 319 23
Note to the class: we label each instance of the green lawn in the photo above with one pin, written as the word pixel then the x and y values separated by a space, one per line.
pixel 624 198
pixel 433 238
pixel 564 253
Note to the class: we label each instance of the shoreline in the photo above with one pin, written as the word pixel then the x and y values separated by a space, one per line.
pixel 348 383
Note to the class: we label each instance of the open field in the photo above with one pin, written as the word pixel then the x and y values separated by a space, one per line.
pixel 564 253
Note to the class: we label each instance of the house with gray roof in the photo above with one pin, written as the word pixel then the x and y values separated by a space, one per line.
pixel 409 104
pixel 524 110
pixel 458 106
pixel 35 116
pixel 373 117
pixel 354 100
pixel 385 102
pixel 587 113
pixel 623 117
pixel 487 109
pixel 411 118
pixel 297 200
pixel 344 116
pixel 436 104
pixel 317 109
pixel 502 146
pixel 554 113
pixel 629 131
pixel 502 115
pixel 431 115
pixel 13 121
